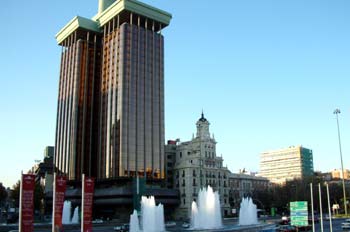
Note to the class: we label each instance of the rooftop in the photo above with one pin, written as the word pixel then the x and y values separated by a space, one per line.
pixel 114 8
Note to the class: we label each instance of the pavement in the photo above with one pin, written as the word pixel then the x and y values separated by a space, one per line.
pixel 267 224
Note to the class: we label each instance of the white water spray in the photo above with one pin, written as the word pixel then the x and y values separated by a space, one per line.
pixel 248 213
pixel 207 213
pixel 152 217
pixel 67 214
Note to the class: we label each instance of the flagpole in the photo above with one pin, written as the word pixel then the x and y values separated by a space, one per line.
pixel 20 203
pixel 53 202
pixel 329 210
pixel 320 196
pixel 82 203
pixel 312 208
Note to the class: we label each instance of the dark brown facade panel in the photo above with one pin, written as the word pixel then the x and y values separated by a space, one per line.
pixel 110 119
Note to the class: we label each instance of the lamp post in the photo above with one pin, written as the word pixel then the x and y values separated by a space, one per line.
pixel 336 112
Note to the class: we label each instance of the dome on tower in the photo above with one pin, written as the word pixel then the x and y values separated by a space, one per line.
pixel 202 118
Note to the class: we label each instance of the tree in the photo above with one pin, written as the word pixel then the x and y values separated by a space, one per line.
pixel 38 196
pixel 15 193
pixel 3 194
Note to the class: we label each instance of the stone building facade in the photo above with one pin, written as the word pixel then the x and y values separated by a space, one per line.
pixel 195 166
pixel 243 185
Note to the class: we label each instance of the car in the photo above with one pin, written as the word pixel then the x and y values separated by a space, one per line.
pixel 285 220
pixel 305 228
pixel 122 228
pixel 170 224
pixel 97 221
pixel 316 219
pixel 185 225
pixel 345 225
pixel 12 218
pixel 286 228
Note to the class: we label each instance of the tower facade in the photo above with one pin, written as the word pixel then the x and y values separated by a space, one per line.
pixel 110 117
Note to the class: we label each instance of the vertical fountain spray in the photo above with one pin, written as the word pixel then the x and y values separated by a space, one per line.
pixel 75 218
pixel 207 214
pixel 248 213
pixel 152 217
pixel 66 214
pixel 134 222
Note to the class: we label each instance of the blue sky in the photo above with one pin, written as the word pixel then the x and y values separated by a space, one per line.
pixel 268 75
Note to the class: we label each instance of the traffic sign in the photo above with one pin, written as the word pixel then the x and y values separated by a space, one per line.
pixel 298 213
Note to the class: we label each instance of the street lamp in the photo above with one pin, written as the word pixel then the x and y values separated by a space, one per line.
pixel 336 112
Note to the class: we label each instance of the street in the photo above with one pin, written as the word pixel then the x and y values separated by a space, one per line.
pixel 230 222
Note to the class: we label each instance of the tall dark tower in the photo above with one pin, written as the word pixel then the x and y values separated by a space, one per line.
pixel 110 113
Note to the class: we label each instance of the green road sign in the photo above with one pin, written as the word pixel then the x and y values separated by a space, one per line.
pixel 298 213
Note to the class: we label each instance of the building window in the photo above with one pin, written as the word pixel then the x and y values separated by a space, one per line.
pixel 180 154
pixel 184 201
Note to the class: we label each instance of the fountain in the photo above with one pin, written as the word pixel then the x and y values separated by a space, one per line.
pixel 152 217
pixel 75 218
pixel 67 212
pixel 207 214
pixel 247 213
pixel 134 222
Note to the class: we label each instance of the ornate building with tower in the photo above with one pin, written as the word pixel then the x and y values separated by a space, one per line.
pixel 195 166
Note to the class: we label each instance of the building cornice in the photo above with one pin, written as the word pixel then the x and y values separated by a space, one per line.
pixel 134 7
pixel 73 25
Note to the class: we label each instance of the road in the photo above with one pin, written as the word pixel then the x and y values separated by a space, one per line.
pixel 107 227
pixel 336 223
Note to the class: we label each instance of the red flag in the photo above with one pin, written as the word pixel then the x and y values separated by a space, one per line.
pixel 58 201
pixel 26 218
pixel 87 202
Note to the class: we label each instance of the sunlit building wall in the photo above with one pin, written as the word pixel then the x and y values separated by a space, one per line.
pixel 110 114
pixel 294 162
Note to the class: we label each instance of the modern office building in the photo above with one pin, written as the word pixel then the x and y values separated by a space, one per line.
pixel 196 165
pixel 294 162
pixel 110 113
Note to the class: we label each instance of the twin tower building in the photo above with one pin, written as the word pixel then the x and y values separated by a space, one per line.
pixel 110 112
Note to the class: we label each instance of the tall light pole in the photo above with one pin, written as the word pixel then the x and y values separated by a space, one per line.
pixel 336 112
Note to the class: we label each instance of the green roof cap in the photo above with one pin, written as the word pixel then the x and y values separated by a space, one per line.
pixel 114 9
pixel 74 24
pixel 135 7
